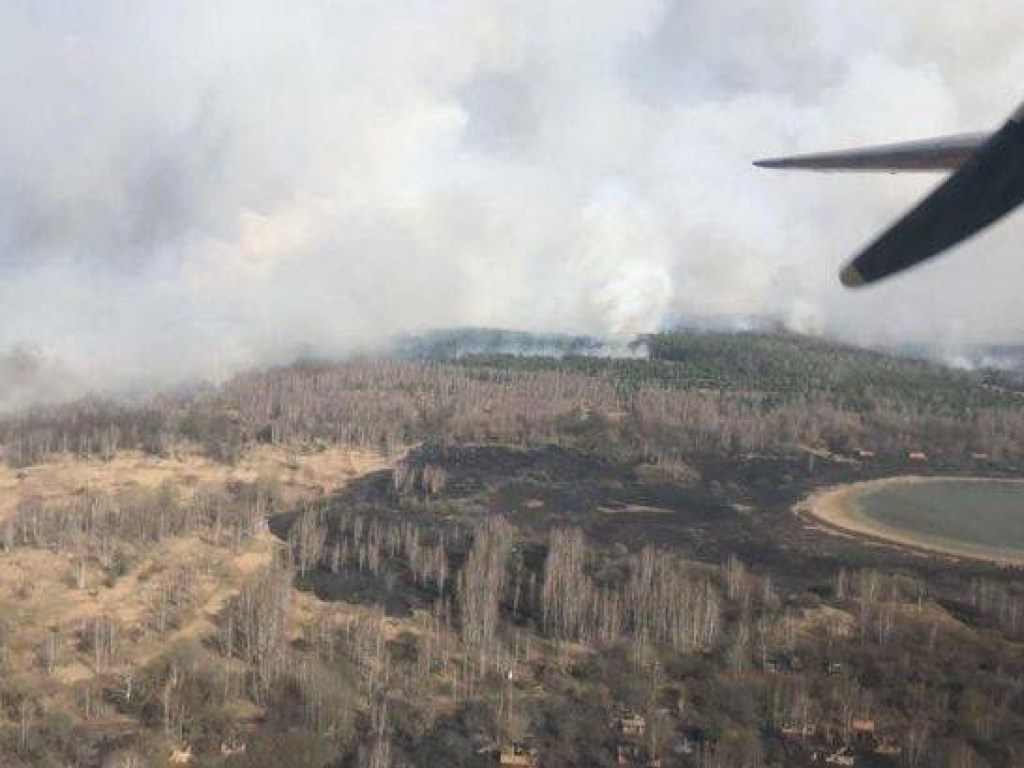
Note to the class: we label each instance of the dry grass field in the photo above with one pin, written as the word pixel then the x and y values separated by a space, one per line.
pixel 66 622
pixel 300 473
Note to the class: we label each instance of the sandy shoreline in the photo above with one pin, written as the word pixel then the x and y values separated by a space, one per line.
pixel 836 508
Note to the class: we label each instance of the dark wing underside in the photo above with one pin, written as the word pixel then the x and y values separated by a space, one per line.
pixel 988 183
pixel 943 154
pixel 987 186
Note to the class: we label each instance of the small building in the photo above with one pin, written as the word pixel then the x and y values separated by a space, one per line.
pixel 834 668
pixel 181 756
pixel 862 727
pixel 844 756
pixel 628 754
pixel 917 456
pixel 797 731
pixel 863 454
pixel 977 456
pixel 632 725
pixel 519 756
pixel 232 748
pixel 888 746
pixel 686 746
pixel 863 731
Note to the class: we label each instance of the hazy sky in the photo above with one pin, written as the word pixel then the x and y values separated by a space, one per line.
pixel 191 188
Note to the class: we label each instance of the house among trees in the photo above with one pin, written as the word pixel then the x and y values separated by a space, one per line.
pixel 862 453
pixel 863 729
pixel 797 731
pixel 888 746
pixel 631 751
pixel 519 756
pixel 843 756
pixel 917 456
pixel 232 748
pixel 632 725
pixel 628 754
pixel 635 755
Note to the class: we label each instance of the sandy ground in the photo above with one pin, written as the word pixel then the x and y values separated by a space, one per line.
pixel 37 592
pixel 837 509
pixel 302 473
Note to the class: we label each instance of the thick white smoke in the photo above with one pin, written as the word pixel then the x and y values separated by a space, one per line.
pixel 190 188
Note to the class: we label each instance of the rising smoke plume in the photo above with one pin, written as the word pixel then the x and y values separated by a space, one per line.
pixel 192 188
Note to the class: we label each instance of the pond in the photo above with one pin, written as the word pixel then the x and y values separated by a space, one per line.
pixel 973 517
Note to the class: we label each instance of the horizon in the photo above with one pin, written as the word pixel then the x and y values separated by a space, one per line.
pixel 23 366
pixel 200 191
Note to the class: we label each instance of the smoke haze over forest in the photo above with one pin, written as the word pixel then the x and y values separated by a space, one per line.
pixel 194 188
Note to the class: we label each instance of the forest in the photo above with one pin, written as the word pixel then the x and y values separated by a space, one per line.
pixel 579 559
pixel 693 393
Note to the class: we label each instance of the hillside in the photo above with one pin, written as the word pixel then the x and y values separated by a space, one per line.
pixel 113 570
pixel 429 561
pixel 698 392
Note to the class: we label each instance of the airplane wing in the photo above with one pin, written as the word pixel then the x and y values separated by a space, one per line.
pixel 988 183
pixel 944 154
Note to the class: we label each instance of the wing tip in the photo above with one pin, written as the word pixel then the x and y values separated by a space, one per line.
pixel 851 277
